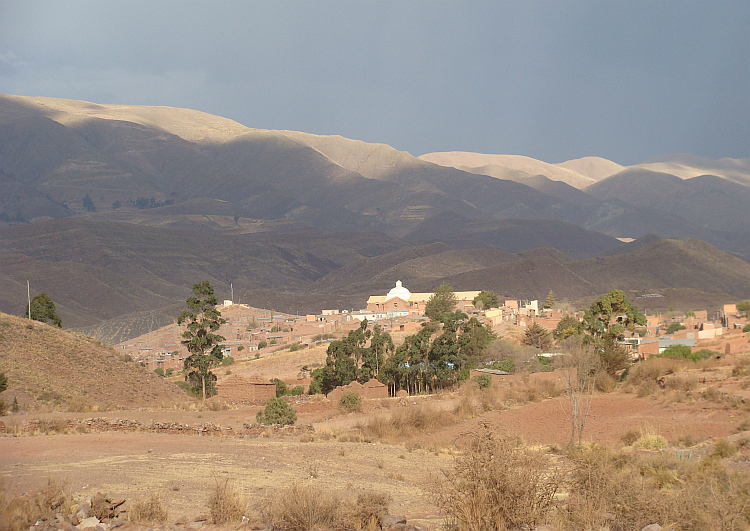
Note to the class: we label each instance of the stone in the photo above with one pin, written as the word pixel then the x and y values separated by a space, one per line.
pixel 652 527
pixel 90 522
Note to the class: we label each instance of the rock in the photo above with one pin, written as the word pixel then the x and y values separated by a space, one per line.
pixel 75 520
pixel 652 527
pixel 90 522
pixel 195 525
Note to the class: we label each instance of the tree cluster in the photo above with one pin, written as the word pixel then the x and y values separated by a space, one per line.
pixel 434 357
pixel 351 358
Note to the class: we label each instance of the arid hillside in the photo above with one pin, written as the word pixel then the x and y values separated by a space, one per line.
pixel 53 368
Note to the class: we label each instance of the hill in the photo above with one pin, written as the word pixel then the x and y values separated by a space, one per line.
pixel 707 201
pixel 46 365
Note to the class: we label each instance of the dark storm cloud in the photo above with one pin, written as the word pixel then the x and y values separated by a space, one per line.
pixel 553 80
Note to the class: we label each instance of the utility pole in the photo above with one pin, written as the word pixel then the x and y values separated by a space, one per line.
pixel 28 294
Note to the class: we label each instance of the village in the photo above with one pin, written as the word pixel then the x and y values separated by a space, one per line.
pixel 254 334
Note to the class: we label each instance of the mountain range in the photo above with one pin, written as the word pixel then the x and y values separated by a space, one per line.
pixel 115 210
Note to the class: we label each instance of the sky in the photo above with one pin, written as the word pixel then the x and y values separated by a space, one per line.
pixel 627 80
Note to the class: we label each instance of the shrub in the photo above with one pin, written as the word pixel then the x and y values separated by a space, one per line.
pixel 149 510
pixel 746 328
pixel 496 484
pixel 506 365
pixel 294 347
pixel 226 504
pixel 22 512
pixel 350 402
pixel 674 327
pixel 240 348
pixel 281 388
pixel 297 390
pixel 368 511
pixel 263 344
pixel 303 508
pixel 227 360
pixel 277 411
pixel 169 372
pixel 483 381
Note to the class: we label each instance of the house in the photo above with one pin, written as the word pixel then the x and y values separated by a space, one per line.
pixel 400 301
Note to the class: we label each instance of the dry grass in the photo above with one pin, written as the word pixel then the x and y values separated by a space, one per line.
pixel 226 504
pixel 630 490
pixel 405 422
pixel 19 513
pixel 148 510
pixel 496 484
pixel 302 508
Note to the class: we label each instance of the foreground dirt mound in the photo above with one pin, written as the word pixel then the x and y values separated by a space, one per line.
pixel 45 364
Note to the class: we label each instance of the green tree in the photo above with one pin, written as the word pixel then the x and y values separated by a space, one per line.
pixel 350 358
pixel 43 309
pixel 88 204
pixel 674 327
pixel 537 336
pixel 568 326
pixel 442 301
pixel 550 301
pixel 486 300
pixel 606 322
pixel 281 387
pixel 744 307
pixel 202 320
pixel 3 382
pixel 277 411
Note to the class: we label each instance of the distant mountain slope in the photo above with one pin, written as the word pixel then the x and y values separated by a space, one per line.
pixel 498 166
pixel 671 264
pixel 46 364
pixel 688 166
pixel 96 271
pixel 706 201
pixel 596 168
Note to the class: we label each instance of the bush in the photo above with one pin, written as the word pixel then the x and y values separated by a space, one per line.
pixel 281 388
pixel 483 381
pixel 227 360
pixel 294 347
pixel 301 508
pixel 497 484
pixel 226 504
pixel 674 327
pixel 297 390
pixel 159 371
pixel 277 411
pixel 149 510
pixel 746 328
pixel 350 402
pixel 506 365
pixel 263 344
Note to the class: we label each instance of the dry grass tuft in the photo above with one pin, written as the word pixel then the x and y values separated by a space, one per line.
pixel 150 510
pixel 302 508
pixel 22 512
pixel 226 504
pixel 498 483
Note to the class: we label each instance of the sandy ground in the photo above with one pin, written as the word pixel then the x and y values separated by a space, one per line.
pixel 184 468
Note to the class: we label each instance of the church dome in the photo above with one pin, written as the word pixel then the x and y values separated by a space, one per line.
pixel 399 291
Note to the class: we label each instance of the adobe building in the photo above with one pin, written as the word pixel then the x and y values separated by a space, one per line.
pixel 370 389
pixel 401 302
pixel 236 389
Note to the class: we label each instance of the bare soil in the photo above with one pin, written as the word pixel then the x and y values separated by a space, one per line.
pixel 184 468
